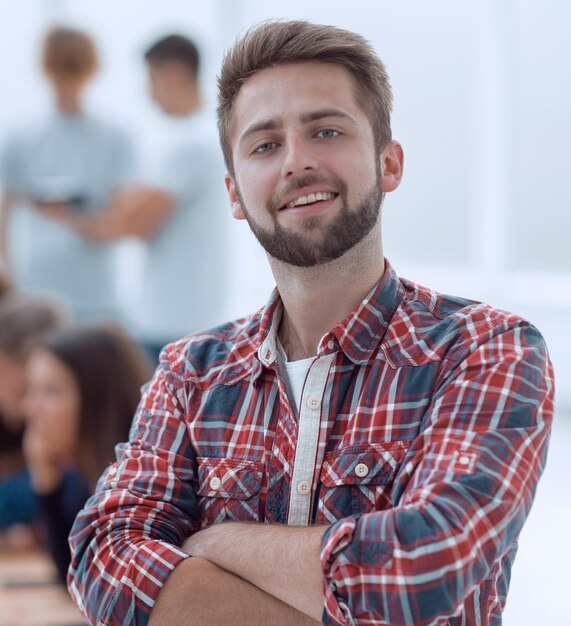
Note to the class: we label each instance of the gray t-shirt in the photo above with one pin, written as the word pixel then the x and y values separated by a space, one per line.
pixel 185 277
pixel 79 159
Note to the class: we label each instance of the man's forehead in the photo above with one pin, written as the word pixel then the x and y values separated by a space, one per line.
pixel 304 90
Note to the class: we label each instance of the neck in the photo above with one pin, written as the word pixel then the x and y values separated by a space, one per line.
pixel 68 102
pixel 316 299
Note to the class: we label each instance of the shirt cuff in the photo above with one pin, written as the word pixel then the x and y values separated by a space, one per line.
pixel 351 550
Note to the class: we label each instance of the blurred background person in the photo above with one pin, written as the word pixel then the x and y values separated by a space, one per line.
pixel 69 157
pixel 180 209
pixel 83 385
pixel 24 321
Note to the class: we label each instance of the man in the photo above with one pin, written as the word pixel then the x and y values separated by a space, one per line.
pixel 178 211
pixel 70 157
pixel 372 447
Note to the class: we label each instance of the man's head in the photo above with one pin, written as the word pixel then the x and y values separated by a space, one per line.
pixel 275 43
pixel 173 64
pixel 69 58
pixel 304 119
pixel 24 322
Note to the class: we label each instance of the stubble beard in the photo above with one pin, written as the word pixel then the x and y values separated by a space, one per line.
pixel 306 248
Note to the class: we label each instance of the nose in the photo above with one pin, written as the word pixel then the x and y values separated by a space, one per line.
pixel 299 157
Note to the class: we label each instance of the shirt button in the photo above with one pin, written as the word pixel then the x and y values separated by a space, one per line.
pixel 361 470
pixel 215 483
pixel 303 488
pixel 464 460
pixel 313 402
pixel 112 471
pixel 331 344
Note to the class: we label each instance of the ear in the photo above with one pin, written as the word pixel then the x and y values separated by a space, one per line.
pixel 235 203
pixel 392 165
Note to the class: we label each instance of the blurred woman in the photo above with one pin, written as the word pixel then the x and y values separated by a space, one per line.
pixel 83 385
pixel 24 322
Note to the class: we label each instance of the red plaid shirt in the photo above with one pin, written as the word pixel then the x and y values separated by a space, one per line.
pixel 431 422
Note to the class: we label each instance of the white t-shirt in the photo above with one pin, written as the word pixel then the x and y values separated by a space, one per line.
pixel 80 159
pixel 294 374
pixel 185 275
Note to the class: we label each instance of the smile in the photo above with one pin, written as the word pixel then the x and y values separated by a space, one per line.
pixel 318 196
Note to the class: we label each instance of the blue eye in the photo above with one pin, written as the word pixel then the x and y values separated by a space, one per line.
pixel 265 147
pixel 327 133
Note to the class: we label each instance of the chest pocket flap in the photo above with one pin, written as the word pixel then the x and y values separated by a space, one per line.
pixel 235 479
pixel 374 464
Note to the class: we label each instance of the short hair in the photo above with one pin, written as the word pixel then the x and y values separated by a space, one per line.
pixel 109 368
pixel 175 48
pixel 69 54
pixel 277 42
pixel 24 321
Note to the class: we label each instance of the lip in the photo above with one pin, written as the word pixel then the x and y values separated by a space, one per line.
pixel 309 210
pixel 305 191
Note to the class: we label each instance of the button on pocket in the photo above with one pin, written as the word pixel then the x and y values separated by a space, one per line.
pixel 361 470
pixel 358 479
pixel 228 489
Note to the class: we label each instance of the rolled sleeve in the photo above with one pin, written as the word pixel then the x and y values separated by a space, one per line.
pixel 462 494
pixel 126 541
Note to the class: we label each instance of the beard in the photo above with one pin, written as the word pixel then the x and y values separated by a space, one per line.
pixel 308 248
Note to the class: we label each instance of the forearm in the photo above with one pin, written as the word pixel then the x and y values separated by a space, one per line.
pixel 283 561
pixel 198 593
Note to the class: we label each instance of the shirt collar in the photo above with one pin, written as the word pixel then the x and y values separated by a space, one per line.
pixel 357 335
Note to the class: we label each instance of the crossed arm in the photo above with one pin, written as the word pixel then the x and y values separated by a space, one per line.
pixel 139 211
pixel 245 573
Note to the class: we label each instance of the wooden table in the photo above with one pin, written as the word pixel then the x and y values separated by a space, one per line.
pixel 30 594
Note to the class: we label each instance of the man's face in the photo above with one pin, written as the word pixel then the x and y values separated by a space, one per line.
pixel 164 82
pixel 307 177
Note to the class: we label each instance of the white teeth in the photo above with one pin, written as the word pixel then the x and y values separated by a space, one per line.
pixel 312 197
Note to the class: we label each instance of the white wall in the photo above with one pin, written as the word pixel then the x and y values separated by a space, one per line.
pixel 482 101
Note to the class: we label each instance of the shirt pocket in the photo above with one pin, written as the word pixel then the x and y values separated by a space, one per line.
pixel 228 489
pixel 358 479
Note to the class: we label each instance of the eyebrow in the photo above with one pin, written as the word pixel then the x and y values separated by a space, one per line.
pixel 275 123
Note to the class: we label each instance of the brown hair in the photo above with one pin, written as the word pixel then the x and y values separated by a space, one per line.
pixel 274 43
pixel 69 54
pixel 24 321
pixel 110 369
pixel 175 48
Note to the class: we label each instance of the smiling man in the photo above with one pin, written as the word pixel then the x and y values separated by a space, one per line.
pixel 362 450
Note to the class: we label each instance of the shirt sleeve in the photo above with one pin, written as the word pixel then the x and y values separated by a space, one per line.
pixel 123 162
pixel 10 165
pixel 126 541
pixel 185 171
pixel 467 485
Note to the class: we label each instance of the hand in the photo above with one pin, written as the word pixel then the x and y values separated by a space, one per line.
pixel 44 466
pixel 57 211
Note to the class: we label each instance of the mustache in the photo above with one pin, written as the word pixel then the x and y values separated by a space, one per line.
pixel 276 202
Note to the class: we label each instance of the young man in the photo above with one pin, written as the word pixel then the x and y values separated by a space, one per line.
pixel 178 210
pixel 70 157
pixel 371 446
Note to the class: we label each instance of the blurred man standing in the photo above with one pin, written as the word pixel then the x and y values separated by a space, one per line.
pixel 70 157
pixel 179 210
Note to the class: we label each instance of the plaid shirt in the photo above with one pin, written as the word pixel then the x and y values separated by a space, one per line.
pixel 427 442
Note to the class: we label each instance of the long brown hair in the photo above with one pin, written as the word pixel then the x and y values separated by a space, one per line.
pixel 110 369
